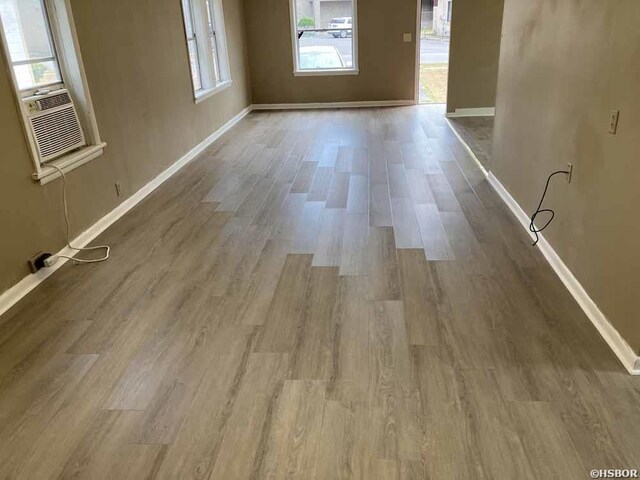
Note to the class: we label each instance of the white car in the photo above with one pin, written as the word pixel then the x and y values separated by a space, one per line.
pixel 320 57
pixel 344 26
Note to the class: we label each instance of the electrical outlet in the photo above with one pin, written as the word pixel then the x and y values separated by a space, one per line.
pixel 118 189
pixel 570 170
pixel 37 262
pixel 613 121
pixel 406 37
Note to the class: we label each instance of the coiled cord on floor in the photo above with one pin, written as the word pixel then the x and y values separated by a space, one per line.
pixel 532 227
pixel 66 219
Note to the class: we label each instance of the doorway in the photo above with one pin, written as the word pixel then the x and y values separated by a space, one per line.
pixel 433 51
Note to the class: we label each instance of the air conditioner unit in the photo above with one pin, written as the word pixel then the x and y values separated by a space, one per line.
pixel 54 123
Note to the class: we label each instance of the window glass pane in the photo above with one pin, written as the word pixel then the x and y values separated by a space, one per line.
pixel 212 37
pixel 216 68
pixel 29 41
pixel 33 75
pixel 192 45
pixel 26 28
pixel 210 22
pixel 325 34
pixel 195 68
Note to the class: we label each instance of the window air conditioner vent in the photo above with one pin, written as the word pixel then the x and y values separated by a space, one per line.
pixel 54 123
pixel 53 101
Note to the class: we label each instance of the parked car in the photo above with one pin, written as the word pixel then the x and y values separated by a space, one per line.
pixel 320 57
pixel 344 26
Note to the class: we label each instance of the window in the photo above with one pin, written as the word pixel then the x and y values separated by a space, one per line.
pixel 50 86
pixel 324 36
pixel 32 52
pixel 206 46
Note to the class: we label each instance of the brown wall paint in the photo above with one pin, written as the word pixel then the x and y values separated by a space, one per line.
pixel 387 64
pixel 563 67
pixel 474 52
pixel 136 62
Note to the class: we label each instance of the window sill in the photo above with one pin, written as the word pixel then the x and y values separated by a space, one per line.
pixel 321 73
pixel 201 96
pixel 68 162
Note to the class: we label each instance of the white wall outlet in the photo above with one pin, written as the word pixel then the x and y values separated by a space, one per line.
pixel 613 121
pixel 406 37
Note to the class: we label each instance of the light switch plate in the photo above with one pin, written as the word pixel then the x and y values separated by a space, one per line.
pixel 406 37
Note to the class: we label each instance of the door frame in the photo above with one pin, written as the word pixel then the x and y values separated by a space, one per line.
pixel 418 41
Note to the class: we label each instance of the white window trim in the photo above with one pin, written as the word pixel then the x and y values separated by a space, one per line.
pixel 205 53
pixel 297 72
pixel 68 162
pixel 67 48
pixel 202 95
pixel 327 72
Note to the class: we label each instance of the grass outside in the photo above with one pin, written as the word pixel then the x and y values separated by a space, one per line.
pixel 433 82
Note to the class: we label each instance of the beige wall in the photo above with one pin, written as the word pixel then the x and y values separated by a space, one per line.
pixel 136 62
pixel 387 65
pixel 474 52
pixel 563 67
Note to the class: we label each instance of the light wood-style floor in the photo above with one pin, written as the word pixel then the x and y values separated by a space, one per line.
pixel 332 294
pixel 477 133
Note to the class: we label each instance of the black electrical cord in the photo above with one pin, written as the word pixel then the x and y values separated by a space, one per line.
pixel 539 210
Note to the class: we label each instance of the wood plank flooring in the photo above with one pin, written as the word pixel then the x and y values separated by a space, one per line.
pixel 320 295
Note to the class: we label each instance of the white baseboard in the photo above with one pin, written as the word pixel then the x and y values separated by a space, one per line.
pixel 620 347
pixel 472 112
pixel 310 106
pixel 22 288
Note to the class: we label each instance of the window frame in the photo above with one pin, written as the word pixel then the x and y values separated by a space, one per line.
pixel 64 38
pixel 27 92
pixel 213 40
pixel 295 46
pixel 211 47
pixel 192 38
